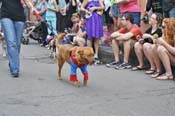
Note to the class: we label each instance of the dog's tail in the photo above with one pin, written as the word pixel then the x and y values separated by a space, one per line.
pixel 59 37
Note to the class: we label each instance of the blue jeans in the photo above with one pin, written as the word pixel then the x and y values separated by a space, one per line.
pixel 13 31
pixel 172 12
pixel 136 16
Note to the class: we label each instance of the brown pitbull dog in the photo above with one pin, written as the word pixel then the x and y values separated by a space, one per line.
pixel 77 57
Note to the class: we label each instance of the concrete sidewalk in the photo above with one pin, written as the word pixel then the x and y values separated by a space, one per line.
pixel 110 92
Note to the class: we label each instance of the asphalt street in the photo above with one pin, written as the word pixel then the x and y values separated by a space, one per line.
pixel 110 92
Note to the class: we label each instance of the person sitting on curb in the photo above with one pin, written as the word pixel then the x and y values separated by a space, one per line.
pixel 72 32
pixel 125 34
pixel 143 46
pixel 166 48
pixel 80 38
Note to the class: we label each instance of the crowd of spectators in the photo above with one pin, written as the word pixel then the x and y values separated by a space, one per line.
pixel 84 21
pixel 156 44
pixel 85 24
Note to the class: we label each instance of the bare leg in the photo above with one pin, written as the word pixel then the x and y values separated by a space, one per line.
pixel 127 49
pixel 164 56
pixel 166 59
pixel 96 45
pixel 148 53
pixel 79 40
pixel 156 58
pixel 139 53
pixel 115 47
pixel 115 20
pixel 89 43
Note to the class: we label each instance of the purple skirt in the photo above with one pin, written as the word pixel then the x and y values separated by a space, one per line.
pixel 94 24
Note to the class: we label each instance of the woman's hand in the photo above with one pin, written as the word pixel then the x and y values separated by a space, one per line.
pixel 92 9
pixel 88 12
pixel 160 41
pixel 141 41
pixel 138 37
pixel 63 12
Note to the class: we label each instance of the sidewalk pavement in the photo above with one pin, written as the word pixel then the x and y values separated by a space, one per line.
pixel 110 92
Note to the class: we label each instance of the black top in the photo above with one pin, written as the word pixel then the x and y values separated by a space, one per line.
pixel 158 31
pixel 71 9
pixel 149 31
pixel 156 5
pixel 12 9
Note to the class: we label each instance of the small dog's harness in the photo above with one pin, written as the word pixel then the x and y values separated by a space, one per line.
pixel 74 65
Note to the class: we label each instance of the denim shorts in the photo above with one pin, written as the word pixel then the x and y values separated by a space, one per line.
pixel 115 10
pixel 172 12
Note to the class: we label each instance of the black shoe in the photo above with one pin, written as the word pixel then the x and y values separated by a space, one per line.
pixel 15 75
pixel 123 66
pixel 10 68
pixel 112 64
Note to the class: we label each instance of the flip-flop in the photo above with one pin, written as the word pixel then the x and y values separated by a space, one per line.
pixel 150 71
pixel 155 74
pixel 165 77
pixel 137 68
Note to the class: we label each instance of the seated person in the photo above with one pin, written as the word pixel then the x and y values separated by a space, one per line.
pixel 146 42
pixel 125 34
pixel 80 38
pixel 166 48
pixel 73 31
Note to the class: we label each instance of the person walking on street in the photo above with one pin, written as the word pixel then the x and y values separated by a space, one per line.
pixel 12 19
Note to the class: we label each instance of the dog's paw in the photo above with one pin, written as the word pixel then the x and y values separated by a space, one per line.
pixel 85 83
pixel 76 84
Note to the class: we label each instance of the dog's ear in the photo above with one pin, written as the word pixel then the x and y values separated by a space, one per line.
pixel 80 51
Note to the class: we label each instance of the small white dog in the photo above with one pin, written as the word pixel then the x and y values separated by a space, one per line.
pixel 52 45
pixel 2 41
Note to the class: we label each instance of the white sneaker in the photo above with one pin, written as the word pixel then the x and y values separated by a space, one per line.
pixel 96 56
pixel 4 54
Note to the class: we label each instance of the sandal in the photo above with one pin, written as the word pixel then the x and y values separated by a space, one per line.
pixel 155 74
pixel 150 71
pixel 165 77
pixel 137 68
